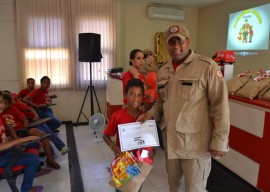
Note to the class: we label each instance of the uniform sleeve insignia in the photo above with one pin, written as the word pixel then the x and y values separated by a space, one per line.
pixel 219 73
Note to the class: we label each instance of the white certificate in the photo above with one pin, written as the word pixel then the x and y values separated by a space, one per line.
pixel 137 135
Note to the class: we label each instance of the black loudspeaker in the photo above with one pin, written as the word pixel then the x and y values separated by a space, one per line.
pixel 89 47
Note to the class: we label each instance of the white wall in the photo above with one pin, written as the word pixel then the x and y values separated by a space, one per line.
pixel 138 31
pixel 9 69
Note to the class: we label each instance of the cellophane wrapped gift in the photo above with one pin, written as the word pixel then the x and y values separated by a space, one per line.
pixel 128 173
pixel 144 158
pixel 124 168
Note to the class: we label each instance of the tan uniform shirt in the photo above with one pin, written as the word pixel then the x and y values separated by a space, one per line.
pixel 191 99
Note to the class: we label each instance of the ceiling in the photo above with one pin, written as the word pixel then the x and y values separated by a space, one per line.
pixel 182 3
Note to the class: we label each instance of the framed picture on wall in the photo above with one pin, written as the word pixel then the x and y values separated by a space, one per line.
pixel 162 53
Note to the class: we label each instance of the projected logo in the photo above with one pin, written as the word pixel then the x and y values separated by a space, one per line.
pixel 249 29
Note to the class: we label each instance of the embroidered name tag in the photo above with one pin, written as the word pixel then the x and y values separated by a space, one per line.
pixel 160 87
pixel 187 83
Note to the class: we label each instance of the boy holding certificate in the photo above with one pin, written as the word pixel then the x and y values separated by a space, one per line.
pixel 134 93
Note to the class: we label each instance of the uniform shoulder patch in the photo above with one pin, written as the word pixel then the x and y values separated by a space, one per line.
pixel 207 59
pixel 219 73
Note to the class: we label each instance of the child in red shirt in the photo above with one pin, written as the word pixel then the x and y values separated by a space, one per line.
pixel 30 87
pixel 32 116
pixel 17 120
pixel 30 161
pixel 40 100
pixel 134 93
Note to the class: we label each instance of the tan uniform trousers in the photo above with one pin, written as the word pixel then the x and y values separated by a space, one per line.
pixel 195 172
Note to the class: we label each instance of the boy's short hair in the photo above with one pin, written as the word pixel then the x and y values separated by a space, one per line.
pixel 1 94
pixel 134 82
pixel 8 97
pixel 44 78
pixel 30 79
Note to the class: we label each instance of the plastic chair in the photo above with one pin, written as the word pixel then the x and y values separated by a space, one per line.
pixel 10 172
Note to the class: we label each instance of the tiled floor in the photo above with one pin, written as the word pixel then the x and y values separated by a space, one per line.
pixel 93 157
pixel 57 180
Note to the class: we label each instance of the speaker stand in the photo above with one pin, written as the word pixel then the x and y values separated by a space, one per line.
pixel 92 90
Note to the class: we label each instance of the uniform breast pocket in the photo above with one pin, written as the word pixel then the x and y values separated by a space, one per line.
pixel 188 89
pixel 162 89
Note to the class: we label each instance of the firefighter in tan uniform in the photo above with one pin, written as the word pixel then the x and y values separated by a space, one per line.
pixel 192 97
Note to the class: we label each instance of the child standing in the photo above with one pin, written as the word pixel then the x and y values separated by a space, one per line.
pixel 40 100
pixel 134 92
pixel 30 161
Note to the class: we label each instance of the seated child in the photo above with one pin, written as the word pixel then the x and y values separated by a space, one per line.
pixel 17 121
pixel 32 115
pixel 134 93
pixel 30 161
pixel 30 87
pixel 40 100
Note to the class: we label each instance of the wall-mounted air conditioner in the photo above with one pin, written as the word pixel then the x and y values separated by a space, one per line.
pixel 160 12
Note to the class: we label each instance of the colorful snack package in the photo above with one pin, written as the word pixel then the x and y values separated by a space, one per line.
pixel 124 168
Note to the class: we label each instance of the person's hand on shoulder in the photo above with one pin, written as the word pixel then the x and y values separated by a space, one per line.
pixel 134 72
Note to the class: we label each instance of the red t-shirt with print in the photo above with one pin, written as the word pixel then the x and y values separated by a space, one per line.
pixel 3 136
pixel 119 117
pixel 13 117
pixel 39 96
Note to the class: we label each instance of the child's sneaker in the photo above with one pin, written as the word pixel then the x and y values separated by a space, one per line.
pixel 65 150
